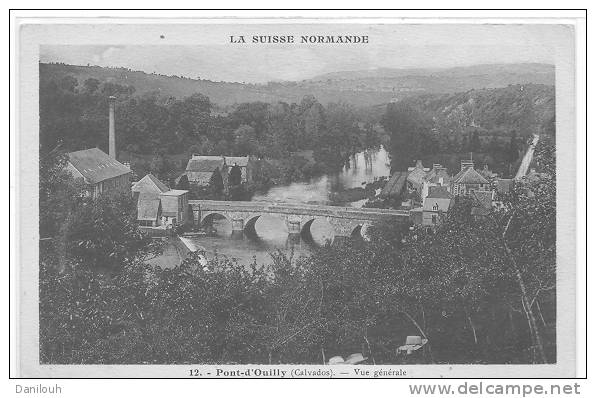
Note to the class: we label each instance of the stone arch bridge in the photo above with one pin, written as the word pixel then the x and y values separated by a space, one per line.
pixel 346 221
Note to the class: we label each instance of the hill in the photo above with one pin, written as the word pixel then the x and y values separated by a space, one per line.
pixel 360 88
pixel 524 108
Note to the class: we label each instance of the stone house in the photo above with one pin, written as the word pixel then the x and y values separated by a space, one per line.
pixel 174 207
pixel 436 177
pixel 199 169
pixel 159 206
pixel 148 210
pixel 395 186
pixel 468 180
pixel 245 164
pixel 416 177
pixel 101 174
pixel 438 202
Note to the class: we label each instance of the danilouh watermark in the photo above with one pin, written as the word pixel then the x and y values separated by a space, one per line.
pixel 38 389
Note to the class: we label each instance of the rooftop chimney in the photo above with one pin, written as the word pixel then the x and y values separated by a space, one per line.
pixel 112 128
pixel 467 164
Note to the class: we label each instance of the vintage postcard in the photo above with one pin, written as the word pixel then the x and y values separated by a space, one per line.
pixel 296 197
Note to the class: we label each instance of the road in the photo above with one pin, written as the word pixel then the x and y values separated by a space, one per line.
pixel 295 208
pixel 527 160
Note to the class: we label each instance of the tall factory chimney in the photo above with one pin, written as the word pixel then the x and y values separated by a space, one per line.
pixel 112 128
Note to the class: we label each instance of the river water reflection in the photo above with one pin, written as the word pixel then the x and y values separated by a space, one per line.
pixel 271 231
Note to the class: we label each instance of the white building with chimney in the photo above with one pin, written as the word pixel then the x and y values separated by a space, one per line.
pixel 101 173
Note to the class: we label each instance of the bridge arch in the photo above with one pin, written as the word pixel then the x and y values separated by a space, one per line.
pixel 357 232
pixel 208 218
pixel 361 231
pixel 305 231
pixel 322 224
pixel 249 225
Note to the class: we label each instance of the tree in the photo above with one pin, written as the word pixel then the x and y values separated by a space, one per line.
pixel 475 144
pixel 91 85
pixel 216 184
pixel 159 166
pixel 406 126
pixel 235 175
pixel 103 233
pixel 69 83
pixel 513 149
pixel 58 192
pixel 245 141
pixel 183 183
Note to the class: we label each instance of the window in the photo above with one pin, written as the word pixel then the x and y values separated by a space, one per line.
pixel 434 218
pixel 436 207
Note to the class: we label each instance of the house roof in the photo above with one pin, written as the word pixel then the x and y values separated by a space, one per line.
pixel 417 176
pixel 435 174
pixel 149 183
pixel 469 176
pixel 439 193
pixel 504 185
pixel 484 198
pixel 419 165
pixel 443 203
pixel 148 209
pixel 174 192
pixel 96 166
pixel 204 164
pixel 395 185
pixel 241 161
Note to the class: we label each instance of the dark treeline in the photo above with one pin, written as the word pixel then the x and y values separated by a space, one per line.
pixel 309 135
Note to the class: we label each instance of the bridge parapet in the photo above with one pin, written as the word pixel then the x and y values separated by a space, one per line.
pixel 297 209
pixel 298 217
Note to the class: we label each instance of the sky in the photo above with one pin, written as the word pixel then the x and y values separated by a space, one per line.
pixel 205 51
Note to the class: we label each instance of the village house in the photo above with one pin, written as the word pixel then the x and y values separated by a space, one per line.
pixel 416 177
pixel 245 164
pixel 147 193
pixel 100 173
pixel 468 180
pixel 199 169
pixel 159 206
pixel 394 188
pixel 148 210
pixel 438 202
pixel 420 179
pixel 174 207
pixel 436 177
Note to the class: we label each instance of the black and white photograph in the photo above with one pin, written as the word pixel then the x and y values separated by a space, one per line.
pixel 298 198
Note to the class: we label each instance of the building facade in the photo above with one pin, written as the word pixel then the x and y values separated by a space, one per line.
pixel 438 202
pixel 100 173
pixel 159 206
pixel 468 180
pixel 199 169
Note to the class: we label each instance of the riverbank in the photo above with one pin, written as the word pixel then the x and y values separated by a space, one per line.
pixel 174 252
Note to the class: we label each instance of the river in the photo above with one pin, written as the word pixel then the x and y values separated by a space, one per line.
pixel 272 234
